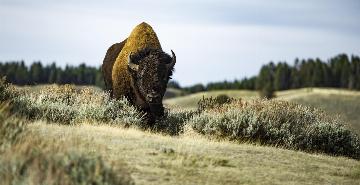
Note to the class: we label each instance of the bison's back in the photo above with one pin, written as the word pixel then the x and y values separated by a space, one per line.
pixel 143 36
pixel 111 54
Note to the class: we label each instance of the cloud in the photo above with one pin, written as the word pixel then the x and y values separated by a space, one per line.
pixel 214 40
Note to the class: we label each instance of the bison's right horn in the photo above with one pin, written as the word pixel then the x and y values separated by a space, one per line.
pixel 131 63
pixel 173 61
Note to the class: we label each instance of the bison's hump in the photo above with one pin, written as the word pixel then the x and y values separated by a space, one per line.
pixel 142 36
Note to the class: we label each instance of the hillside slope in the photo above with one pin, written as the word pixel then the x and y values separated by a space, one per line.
pixel 343 103
pixel 191 159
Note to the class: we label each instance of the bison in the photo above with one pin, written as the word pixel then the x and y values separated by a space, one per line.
pixel 139 69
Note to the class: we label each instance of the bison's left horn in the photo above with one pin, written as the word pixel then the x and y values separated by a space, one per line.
pixel 173 61
pixel 131 63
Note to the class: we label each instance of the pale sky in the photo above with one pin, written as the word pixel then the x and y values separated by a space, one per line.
pixel 214 40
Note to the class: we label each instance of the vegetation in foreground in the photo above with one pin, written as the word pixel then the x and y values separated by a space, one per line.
pixel 153 156
pixel 27 159
pixel 274 123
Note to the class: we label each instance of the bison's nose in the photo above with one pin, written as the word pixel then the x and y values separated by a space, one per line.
pixel 153 98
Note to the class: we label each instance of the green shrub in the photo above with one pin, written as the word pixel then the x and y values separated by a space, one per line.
pixel 278 123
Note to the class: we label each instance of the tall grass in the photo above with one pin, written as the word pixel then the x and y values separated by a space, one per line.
pixel 277 123
pixel 11 129
pixel 25 159
pixel 29 164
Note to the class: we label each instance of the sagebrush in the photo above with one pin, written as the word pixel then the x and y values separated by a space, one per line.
pixel 278 123
pixel 267 122
pixel 67 105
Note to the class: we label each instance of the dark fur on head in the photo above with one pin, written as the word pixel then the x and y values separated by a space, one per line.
pixel 150 71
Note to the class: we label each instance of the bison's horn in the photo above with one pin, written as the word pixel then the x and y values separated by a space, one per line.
pixel 173 61
pixel 131 63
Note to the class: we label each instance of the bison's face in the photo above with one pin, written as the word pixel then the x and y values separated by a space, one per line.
pixel 151 70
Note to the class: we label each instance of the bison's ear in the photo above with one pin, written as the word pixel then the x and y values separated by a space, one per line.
pixel 171 65
pixel 132 67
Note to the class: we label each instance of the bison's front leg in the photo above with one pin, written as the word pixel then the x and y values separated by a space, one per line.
pixel 153 113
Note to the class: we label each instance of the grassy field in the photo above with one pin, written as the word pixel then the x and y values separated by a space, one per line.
pixel 344 103
pixel 192 159
pixel 86 121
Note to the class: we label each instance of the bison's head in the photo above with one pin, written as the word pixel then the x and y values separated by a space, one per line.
pixel 151 70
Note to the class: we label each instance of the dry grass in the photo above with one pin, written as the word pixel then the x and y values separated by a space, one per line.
pixel 27 159
pixel 192 159
pixel 42 161
pixel 189 158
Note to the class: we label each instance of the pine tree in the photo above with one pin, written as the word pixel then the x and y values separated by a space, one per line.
pixel 265 81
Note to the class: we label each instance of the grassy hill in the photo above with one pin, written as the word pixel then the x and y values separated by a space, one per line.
pixel 191 159
pixel 343 103
pixel 242 144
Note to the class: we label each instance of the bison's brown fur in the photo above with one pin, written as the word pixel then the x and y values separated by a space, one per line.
pixel 111 54
pixel 142 36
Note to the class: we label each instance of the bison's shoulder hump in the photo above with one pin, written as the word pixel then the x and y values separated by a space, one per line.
pixel 142 36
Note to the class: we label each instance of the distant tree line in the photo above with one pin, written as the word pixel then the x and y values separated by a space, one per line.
pixel 245 83
pixel 18 73
pixel 340 71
